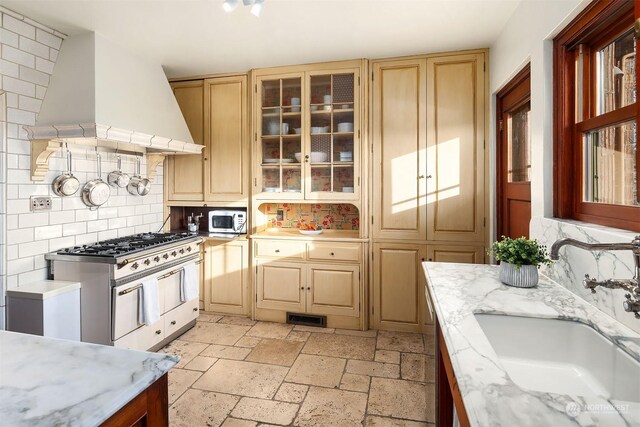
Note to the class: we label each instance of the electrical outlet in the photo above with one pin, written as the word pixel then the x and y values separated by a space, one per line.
pixel 279 215
pixel 40 203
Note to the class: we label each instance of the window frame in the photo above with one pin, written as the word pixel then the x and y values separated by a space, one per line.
pixel 600 23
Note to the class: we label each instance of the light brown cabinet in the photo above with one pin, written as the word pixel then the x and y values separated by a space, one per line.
pixel 215 110
pixel 226 277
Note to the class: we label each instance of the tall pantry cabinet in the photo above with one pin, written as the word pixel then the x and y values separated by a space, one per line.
pixel 428 193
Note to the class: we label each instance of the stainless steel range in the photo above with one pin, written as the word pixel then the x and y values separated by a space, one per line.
pixel 112 272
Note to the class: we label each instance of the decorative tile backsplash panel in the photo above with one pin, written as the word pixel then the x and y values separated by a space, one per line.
pixel 341 216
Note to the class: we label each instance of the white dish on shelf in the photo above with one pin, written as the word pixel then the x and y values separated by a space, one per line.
pixel 319 129
pixel 287 160
pixel 298 157
pixel 297 131
pixel 314 108
pixel 291 190
pixel 345 127
pixel 270 160
pixel 318 157
pixel 310 232
pixel 347 189
pixel 271 189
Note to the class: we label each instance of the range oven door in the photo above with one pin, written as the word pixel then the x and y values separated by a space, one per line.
pixel 126 298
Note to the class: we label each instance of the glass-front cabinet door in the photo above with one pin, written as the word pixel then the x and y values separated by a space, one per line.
pixel 280 134
pixel 332 154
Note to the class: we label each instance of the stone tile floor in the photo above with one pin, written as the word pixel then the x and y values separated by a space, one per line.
pixel 236 372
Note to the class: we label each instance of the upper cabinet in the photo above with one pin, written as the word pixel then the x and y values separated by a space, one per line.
pixel 428 131
pixel 308 135
pixel 215 110
pixel 183 174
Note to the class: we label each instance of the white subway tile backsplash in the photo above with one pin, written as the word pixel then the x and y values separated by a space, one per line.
pixel 34 76
pixel 117 223
pixel 69 203
pixel 12 222
pixel 39 262
pixel 18 56
pixel 29 104
pixel 74 228
pixel 14 85
pixel 86 215
pixel 53 54
pixel 97 225
pixel 33 248
pixel 61 217
pixel 106 213
pixel 122 232
pixel 34 219
pixel 40 91
pixel 18 26
pixel 105 235
pixel 19 176
pixel 44 65
pixel 34 48
pixel 86 239
pixel 132 221
pixel 19 235
pixel 9 37
pixel 17 206
pixel 8 68
pixel 12 252
pixel 48 39
pixel 19 265
pixel 62 242
pixel 47 232
pixel 32 276
pixel 21 117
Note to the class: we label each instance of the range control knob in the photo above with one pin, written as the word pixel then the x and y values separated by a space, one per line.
pixel 147 261
pixel 134 266
pixel 157 259
pixel 174 253
pixel 181 251
pixel 165 256
pixel 189 249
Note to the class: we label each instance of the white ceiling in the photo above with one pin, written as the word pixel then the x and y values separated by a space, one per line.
pixel 190 37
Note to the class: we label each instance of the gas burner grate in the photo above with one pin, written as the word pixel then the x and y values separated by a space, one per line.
pixel 124 245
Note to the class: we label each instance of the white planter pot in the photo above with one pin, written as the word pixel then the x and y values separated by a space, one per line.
pixel 524 277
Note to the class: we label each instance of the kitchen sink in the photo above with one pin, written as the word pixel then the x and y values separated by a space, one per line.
pixel 563 357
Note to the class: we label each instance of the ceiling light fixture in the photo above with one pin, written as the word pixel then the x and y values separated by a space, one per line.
pixel 229 5
pixel 256 5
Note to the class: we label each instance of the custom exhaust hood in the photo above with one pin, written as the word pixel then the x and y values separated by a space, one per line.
pixel 102 95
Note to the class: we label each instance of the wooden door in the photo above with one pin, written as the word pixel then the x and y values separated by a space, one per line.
pixel 455 148
pixel 226 280
pixel 398 286
pixel 225 134
pixel 456 253
pixel 184 173
pixel 333 289
pixel 399 149
pixel 513 111
pixel 281 286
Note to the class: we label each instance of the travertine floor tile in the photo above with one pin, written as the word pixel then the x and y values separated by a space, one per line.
pixel 237 320
pixel 373 421
pixel 298 336
pixel 200 363
pixel 329 407
pixel 275 352
pixel 234 422
pixel 214 333
pixel 270 330
pixel 355 382
pixel 242 378
pixel 207 317
pixel 315 329
pixel 345 346
pixel 226 352
pixel 316 370
pixel 179 381
pixel 429 344
pixel 400 341
pixel 248 342
pixel 267 411
pixel 373 369
pixel 413 366
pixel 399 399
pixel 371 333
pixel 186 350
pixel 293 393
pixel 201 408
pixel 387 356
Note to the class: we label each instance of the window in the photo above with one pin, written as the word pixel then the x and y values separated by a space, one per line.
pixel 596 156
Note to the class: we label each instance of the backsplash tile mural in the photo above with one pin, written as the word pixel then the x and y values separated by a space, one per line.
pixel 336 216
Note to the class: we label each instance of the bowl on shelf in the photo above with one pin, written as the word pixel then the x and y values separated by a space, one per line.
pixel 297 131
pixel 346 156
pixel 347 189
pixel 310 232
pixel 271 189
pixel 319 129
pixel 318 157
pixel 298 157
pixel 345 127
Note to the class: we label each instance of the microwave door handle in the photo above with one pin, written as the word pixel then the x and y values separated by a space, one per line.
pixel 233 222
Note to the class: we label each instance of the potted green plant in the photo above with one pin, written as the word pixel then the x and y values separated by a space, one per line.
pixel 519 260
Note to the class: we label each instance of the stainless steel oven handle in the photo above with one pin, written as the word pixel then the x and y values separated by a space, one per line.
pixel 164 276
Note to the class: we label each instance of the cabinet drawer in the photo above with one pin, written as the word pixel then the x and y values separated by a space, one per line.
pixel 334 252
pixel 180 316
pixel 280 249
pixel 144 337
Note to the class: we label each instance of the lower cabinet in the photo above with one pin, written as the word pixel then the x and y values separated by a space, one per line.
pixel 309 288
pixel 317 278
pixel 226 277
pixel 399 299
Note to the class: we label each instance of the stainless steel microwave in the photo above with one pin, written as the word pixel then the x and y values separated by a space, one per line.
pixel 228 221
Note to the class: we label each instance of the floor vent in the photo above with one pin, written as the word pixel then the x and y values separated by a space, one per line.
pixel 307 320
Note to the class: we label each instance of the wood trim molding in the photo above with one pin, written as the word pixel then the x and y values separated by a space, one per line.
pixel 41 152
pixel 153 161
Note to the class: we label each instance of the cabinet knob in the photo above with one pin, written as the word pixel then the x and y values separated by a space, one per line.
pixel 332 254
pixel 173 322
pixel 308 288
pixel 205 159
pixel 195 309
pixel 302 288
pixel 158 332
pixel 277 251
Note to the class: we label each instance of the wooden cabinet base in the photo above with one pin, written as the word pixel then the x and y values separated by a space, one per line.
pixel 149 408
pixel 448 394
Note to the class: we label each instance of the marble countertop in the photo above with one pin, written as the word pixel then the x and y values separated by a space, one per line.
pixel 491 398
pixel 51 382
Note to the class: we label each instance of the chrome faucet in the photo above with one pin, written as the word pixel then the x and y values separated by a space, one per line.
pixel 632 286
